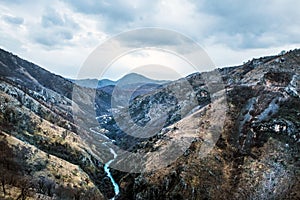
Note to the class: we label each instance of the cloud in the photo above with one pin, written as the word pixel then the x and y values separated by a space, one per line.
pixel 54 29
pixel 117 15
pixel 113 13
pixel 10 43
pixel 253 24
pixel 54 38
pixel 118 10
pixel 231 30
pixel 12 1
pixel 53 18
pixel 143 37
pixel 13 20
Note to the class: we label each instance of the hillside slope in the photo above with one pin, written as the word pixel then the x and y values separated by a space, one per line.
pixel 36 121
pixel 257 153
pixel 52 147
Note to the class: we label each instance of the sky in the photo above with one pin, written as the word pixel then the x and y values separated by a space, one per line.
pixel 59 35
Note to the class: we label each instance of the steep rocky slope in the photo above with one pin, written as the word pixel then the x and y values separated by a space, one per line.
pixel 50 143
pixel 257 153
pixel 36 116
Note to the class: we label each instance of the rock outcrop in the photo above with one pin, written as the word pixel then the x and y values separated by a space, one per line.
pixel 237 140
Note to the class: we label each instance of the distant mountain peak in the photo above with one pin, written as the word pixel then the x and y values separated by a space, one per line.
pixel 135 78
pixel 126 80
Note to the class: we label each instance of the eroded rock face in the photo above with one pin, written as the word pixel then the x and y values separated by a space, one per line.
pixel 278 79
pixel 41 151
pixel 257 154
pixel 279 127
pixel 162 104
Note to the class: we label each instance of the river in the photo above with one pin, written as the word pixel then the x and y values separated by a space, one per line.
pixel 106 169
pixel 106 165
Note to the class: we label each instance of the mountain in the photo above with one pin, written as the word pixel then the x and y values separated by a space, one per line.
pixel 52 147
pixel 93 83
pixel 134 79
pixel 31 76
pixel 127 81
pixel 255 157
pixel 133 83
pixel 41 150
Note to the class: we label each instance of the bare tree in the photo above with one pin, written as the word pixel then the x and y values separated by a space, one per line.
pixel 45 186
pixel 6 163
pixel 26 186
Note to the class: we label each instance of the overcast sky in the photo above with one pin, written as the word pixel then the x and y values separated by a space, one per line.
pixel 60 34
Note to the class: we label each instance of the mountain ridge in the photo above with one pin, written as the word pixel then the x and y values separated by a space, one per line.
pixel 124 81
pixel 256 155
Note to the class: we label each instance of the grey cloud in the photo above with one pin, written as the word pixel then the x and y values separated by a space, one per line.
pixel 235 23
pixel 55 29
pixel 239 16
pixel 53 18
pixel 13 20
pixel 12 1
pixel 56 38
pixel 118 10
pixel 11 43
pixel 165 40
pixel 117 15
pixel 253 24
pixel 47 41
pixel 141 37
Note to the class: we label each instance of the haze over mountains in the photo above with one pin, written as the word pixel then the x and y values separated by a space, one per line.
pixel 53 147
pixel 128 79
pixel 93 83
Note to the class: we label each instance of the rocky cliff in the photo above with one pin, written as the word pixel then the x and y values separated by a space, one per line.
pixel 46 149
pixel 256 155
